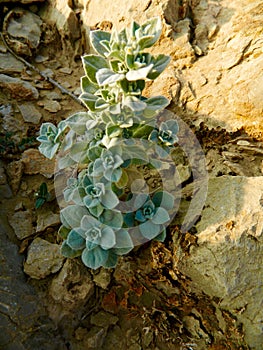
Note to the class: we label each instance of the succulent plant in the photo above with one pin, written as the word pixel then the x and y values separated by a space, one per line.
pixel 106 143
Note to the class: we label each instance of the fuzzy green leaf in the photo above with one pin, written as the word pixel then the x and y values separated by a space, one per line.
pixel 106 76
pixel 87 85
pixel 93 63
pixel 77 122
pixel 69 252
pixel 99 40
pixel 71 215
pixel 159 64
pixel 94 258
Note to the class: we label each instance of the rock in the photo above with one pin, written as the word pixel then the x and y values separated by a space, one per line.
pixel 29 113
pixel 17 88
pixel 53 96
pixel 230 38
pixel 227 262
pixel 92 339
pixel 35 163
pixel 73 286
pixel 65 70
pixel 103 319
pixel 103 278
pixel 9 64
pixel 46 219
pixel 15 172
pixel 43 258
pixel 52 106
pixel 21 222
pixel 23 30
pixel 66 21
pixel 22 310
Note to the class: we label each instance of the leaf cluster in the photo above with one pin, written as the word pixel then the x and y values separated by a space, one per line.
pixel 103 218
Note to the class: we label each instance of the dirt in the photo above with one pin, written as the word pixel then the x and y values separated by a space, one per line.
pixel 154 306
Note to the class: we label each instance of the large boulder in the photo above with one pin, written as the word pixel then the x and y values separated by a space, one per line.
pixel 227 262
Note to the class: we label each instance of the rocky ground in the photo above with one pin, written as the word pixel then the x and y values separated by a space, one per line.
pixel 201 288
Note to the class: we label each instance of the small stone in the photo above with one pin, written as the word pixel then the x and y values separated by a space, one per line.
pixel 78 91
pixel 19 206
pixel 30 114
pixel 95 338
pixel 15 172
pixel 48 72
pixel 103 319
pixel 65 70
pixel 36 163
pixel 73 286
pixel 43 259
pixel 102 279
pixel 45 85
pixel 53 96
pixel 9 64
pixel 66 85
pixel 243 143
pixel 52 106
pixel 21 223
pixel 17 88
pixel 40 58
pixel 46 219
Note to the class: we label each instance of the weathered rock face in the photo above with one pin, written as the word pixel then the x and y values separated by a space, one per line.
pixel 216 69
pixel 227 261
pixel 225 81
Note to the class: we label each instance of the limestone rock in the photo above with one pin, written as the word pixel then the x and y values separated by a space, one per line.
pixel 62 15
pixel 227 263
pixel 23 30
pixel 103 278
pixel 52 106
pixel 43 259
pixel 73 286
pixel 231 62
pixel 9 64
pixel 21 223
pixel 29 113
pixel 46 219
pixel 36 163
pixel 17 88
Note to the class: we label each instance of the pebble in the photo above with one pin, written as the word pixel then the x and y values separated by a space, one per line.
pixel 66 85
pixel 65 70
pixel 40 58
pixel 43 259
pixel 29 113
pixel 52 106
pixel 46 219
pixel 48 72
pixel 243 143
pixel 21 222
pixel 53 96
